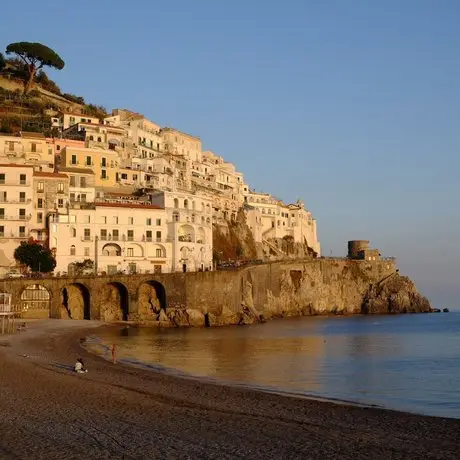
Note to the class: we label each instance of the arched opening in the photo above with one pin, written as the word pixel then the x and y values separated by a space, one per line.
pixel 76 301
pixel 151 299
pixel 176 203
pixel 35 297
pixel 186 234
pixel 111 250
pixel 115 302
pixel 201 236
pixel 186 204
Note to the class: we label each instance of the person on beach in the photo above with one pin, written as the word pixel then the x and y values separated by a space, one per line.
pixel 114 354
pixel 80 367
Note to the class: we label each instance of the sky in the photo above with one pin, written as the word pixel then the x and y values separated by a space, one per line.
pixel 353 106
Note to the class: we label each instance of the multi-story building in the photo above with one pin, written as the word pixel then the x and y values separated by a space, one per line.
pixel 51 196
pixel 28 148
pixel 16 209
pixel 117 237
pixel 189 228
pixel 103 164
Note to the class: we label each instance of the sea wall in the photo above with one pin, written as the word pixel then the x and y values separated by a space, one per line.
pixel 242 296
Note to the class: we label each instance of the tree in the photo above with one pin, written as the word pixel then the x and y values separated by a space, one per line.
pixel 36 256
pixel 2 62
pixel 83 268
pixel 35 56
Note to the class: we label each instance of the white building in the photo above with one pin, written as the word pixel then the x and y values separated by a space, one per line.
pixel 190 228
pixel 117 237
pixel 16 208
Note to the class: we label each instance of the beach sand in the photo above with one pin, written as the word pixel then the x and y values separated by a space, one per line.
pixel 121 412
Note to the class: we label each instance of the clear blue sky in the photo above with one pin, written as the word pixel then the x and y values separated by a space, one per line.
pixel 352 105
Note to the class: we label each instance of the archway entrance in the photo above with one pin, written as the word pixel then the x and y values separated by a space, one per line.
pixel 35 297
pixel 151 298
pixel 115 302
pixel 76 302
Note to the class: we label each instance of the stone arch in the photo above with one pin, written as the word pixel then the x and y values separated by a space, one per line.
pixel 138 250
pixel 76 301
pixel 111 249
pixel 151 299
pixel 35 297
pixel 115 302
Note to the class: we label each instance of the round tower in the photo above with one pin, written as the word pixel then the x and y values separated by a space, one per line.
pixel 355 247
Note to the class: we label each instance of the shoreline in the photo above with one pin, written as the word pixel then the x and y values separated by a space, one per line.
pixel 123 411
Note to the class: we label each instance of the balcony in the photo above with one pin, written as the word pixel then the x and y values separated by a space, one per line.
pixel 15 201
pixel 15 184
pixel 87 238
pixel 17 217
pixel 185 238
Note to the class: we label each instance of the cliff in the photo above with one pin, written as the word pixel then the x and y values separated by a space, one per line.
pixel 283 289
pixel 233 240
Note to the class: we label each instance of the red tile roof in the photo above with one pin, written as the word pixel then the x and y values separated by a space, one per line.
pixel 49 174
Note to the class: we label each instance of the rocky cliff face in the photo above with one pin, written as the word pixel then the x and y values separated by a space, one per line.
pixel 398 294
pixel 234 240
pixel 283 289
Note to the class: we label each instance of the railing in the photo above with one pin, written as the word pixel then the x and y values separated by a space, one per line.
pixel 14 184
pixel 185 238
pixel 20 217
pixel 13 235
pixel 87 238
pixel 15 201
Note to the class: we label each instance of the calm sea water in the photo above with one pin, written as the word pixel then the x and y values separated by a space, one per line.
pixel 406 362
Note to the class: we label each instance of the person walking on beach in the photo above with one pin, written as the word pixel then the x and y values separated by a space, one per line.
pixel 114 353
pixel 80 367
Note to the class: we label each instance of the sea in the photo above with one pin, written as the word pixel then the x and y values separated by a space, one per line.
pixel 404 362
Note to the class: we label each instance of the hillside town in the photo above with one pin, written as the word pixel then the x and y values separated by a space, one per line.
pixel 132 197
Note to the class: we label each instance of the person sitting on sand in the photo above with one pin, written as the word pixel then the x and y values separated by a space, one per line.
pixel 80 366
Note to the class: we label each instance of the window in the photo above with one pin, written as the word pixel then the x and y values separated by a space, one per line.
pixel 176 217
pixel 134 176
pixel 115 219
pixel 58 147
pixel 159 252
pixel 73 232
pixel 99 139
pixel 72 197
pixel 86 252
pixel 87 234
pixel 22 214
pixel 130 220
pixel 158 236
pixel 72 181
pixel 87 219
pixel 22 179
pixel 22 197
pixel 11 146
pixel 148 234
pixel 148 221
pixel 103 234
pixel 39 217
pixel 130 252
pixel 130 235
pixel 60 187
pixel 83 197
pixel 115 235
pixel 2 213
pixel 103 174
pixel 91 138
pixel 73 160
pixel 104 162
pixel 60 203
pixel 83 182
pixel 88 161
pixel 104 219
pixel 132 268
pixel 22 231
pixel 186 204
pixel 176 203
pixel 2 178
pixel 2 230
pixel 72 250
pixel 158 221
pixel 33 147
pixel 40 203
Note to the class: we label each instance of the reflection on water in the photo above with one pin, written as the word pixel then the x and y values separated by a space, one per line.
pixel 402 362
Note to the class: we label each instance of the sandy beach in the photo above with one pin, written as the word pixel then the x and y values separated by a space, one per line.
pixel 116 411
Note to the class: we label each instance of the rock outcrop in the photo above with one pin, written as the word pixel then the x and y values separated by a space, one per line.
pixel 397 294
